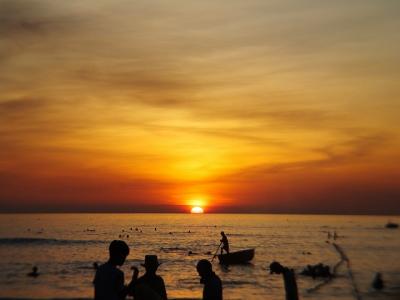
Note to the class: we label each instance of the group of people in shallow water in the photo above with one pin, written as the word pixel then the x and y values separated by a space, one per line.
pixel 109 282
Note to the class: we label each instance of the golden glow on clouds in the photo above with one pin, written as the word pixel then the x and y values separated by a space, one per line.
pixel 222 103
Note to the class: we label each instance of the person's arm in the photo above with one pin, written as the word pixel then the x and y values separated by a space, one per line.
pixel 125 290
pixel 95 282
pixel 290 284
pixel 121 288
pixel 131 285
pixel 163 290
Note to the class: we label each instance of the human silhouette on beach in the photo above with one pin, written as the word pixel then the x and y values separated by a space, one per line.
pixel 224 242
pixel 109 282
pixel 150 285
pixel 288 278
pixel 212 283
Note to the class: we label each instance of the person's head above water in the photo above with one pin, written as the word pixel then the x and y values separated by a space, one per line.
pixel 119 250
pixel 204 268
pixel 34 272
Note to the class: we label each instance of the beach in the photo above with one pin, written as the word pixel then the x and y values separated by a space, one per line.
pixel 65 246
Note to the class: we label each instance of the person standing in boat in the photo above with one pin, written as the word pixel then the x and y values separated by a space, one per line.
pixel 225 243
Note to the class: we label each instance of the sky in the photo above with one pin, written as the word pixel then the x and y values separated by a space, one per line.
pixel 277 106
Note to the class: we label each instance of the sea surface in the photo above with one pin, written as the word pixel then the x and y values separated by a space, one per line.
pixel 65 246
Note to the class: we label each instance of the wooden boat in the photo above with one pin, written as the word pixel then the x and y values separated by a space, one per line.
pixel 234 258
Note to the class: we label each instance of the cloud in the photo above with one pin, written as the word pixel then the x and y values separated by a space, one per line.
pixel 18 17
pixel 253 90
pixel 33 28
pixel 349 152
pixel 20 106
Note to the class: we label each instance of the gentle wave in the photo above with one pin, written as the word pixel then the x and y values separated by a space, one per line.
pixel 42 241
pixel 173 249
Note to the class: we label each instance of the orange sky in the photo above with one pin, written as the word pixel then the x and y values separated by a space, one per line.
pixel 267 106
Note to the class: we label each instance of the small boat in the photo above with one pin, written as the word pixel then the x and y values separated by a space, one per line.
pixel 392 225
pixel 234 258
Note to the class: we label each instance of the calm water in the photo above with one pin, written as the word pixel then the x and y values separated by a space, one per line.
pixel 64 247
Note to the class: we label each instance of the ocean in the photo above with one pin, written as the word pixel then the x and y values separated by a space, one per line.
pixel 65 246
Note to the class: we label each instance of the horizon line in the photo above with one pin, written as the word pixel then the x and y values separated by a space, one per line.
pixel 209 209
pixel 395 214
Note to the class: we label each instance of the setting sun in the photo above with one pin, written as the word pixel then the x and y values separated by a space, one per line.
pixel 197 210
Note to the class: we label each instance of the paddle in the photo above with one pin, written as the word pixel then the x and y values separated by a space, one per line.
pixel 216 252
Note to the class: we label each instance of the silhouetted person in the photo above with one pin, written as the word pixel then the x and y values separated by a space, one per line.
pixel 109 283
pixel 150 285
pixel 95 265
pixel 377 283
pixel 288 278
pixel 212 284
pixel 319 270
pixel 225 243
pixel 34 272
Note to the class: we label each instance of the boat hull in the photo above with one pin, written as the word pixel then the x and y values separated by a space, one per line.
pixel 234 258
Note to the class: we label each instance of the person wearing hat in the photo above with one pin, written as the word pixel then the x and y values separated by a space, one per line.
pixel 288 278
pixel 150 286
